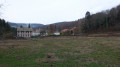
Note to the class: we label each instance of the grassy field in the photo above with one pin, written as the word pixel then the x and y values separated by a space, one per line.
pixel 61 52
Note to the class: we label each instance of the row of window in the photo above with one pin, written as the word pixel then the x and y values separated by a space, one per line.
pixel 24 31
pixel 23 35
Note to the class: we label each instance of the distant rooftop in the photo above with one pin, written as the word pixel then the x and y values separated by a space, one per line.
pixel 24 29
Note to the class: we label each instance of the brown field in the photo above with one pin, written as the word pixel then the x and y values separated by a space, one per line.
pixel 61 52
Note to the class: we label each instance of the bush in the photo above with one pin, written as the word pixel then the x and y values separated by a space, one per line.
pixel 8 35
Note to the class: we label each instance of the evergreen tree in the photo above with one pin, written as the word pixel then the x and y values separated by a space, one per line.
pixel 29 25
pixel 7 27
pixel 21 26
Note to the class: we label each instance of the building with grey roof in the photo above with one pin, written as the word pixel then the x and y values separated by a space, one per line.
pixel 24 32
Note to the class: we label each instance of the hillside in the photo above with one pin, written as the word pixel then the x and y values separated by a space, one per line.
pixel 61 25
pixel 33 25
pixel 104 21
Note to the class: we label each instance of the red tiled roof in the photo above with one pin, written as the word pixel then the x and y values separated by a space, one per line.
pixel 73 28
pixel 65 30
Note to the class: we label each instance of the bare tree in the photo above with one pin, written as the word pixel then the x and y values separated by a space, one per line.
pixel 51 29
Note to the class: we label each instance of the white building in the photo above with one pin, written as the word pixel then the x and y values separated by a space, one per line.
pixel 24 32
pixel 36 32
pixel 57 33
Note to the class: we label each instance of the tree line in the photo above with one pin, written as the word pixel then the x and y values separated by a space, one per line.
pixel 104 21
pixel 6 31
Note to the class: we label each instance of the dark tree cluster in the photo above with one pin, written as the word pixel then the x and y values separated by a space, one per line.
pixel 60 26
pixel 51 29
pixel 108 20
pixel 5 30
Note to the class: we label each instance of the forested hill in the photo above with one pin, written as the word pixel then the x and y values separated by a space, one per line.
pixel 107 20
pixel 60 25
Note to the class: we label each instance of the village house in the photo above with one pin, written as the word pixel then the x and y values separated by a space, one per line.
pixel 56 33
pixel 24 32
pixel 39 32
pixel 36 32
pixel 64 30
pixel 73 30
pixel 69 31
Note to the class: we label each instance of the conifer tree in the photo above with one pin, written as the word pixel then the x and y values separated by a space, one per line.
pixel 29 25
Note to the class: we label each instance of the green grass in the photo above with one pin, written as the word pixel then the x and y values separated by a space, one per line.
pixel 64 52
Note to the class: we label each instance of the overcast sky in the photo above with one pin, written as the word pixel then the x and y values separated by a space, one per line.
pixel 51 11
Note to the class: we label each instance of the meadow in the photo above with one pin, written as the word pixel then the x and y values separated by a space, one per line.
pixel 61 52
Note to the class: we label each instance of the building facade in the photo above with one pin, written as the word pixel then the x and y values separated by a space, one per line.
pixel 24 32
pixel 36 32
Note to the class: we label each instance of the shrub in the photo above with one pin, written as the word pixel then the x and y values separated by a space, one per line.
pixel 8 35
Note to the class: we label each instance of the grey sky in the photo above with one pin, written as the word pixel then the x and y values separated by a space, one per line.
pixel 51 11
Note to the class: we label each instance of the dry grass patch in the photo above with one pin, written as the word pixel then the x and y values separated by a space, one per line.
pixel 48 60
pixel 50 57
pixel 9 44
